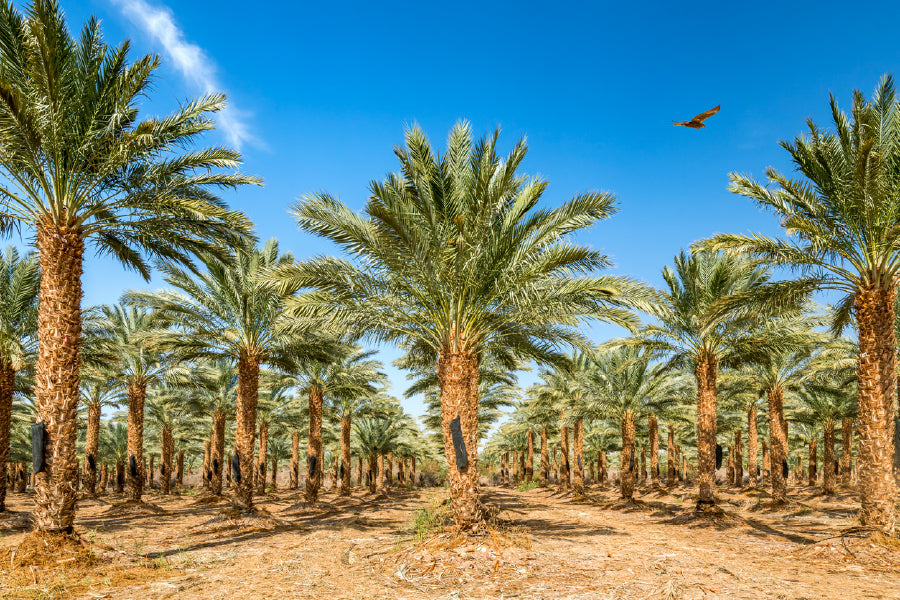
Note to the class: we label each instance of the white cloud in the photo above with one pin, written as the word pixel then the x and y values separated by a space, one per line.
pixel 196 67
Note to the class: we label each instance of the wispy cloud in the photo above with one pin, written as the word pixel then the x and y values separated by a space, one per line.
pixel 197 68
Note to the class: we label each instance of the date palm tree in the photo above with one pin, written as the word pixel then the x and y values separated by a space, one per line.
pixel 624 385
pixel 78 167
pixel 98 390
pixel 19 282
pixel 121 334
pixel 229 312
pixel 452 256
pixel 842 219
pixel 699 331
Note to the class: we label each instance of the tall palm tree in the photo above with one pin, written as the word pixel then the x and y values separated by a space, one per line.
pixel 19 282
pixel 453 257
pixel 842 218
pixel 229 312
pixel 696 332
pixel 168 415
pixel 80 167
pixel 216 382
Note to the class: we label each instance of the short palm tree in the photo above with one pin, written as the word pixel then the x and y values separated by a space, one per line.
pixel 121 333
pixel 842 220
pixel 19 283
pixel 624 385
pixel 79 167
pixel 453 257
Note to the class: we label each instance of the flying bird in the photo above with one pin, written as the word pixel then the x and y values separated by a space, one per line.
pixel 697 122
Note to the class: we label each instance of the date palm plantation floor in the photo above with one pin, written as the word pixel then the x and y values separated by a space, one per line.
pixel 545 545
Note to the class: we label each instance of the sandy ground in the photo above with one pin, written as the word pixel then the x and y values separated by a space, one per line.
pixel 548 545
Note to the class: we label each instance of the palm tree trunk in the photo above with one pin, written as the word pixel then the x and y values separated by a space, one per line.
pixel 706 371
pixel 515 460
pixel 876 381
pixel 217 452
pixel 389 469
pixel 314 456
pixel 642 479
pixel 738 459
pixel 626 461
pixel 578 442
pixel 545 458
pixel 56 393
pixel 401 471
pixel 752 445
pixel 120 476
pixel 564 478
pixel 150 472
pixel 380 474
pixel 295 458
pixel 458 376
pixel 831 465
pixel 765 462
pixel 778 444
pixel 91 445
pixel 603 471
pixel 104 480
pixel 846 449
pixel 671 465
pixel 137 393
pixel 372 473
pixel 179 469
pixel 345 456
pixel 205 469
pixel 359 471
pixel 813 463
pixel 261 461
pixel 729 471
pixel 504 469
pixel 274 470
pixel 7 389
pixel 653 426
pixel 245 428
pixel 412 470
pixel 799 472
pixel 336 469
pixel 529 460
pixel 165 471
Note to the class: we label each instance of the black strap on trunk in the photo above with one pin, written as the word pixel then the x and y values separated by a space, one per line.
pixel 459 445
pixel 38 442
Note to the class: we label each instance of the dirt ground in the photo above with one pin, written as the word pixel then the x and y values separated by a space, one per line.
pixel 547 545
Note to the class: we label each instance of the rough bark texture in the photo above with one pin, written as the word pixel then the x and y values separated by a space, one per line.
pixel 104 479
pixel 578 462
pixel 653 427
pixel 120 476
pixel 380 474
pixel 626 458
pixel 345 456
pixel 706 371
pixel 671 464
pixel 150 473
pixel 245 428
pixel 137 394
pixel 179 469
pixel 846 449
pixel 61 253
pixel 295 459
pixel 261 461
pixel 752 445
pixel 564 470
pixel 813 463
pixel 828 474
pixel 545 459
pixel 529 461
pixel 165 473
pixel 876 381
pixel 515 459
pixel 777 443
pixel 458 377
pixel 642 476
pixel 274 471
pixel 91 446
pixel 765 462
pixel 370 475
pixel 603 471
pixel 7 383
pixel 314 445
pixel 217 461
pixel 389 469
pixel 359 471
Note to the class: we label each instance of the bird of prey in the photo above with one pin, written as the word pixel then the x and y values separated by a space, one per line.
pixel 697 122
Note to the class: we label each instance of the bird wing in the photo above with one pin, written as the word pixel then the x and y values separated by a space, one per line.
pixel 705 115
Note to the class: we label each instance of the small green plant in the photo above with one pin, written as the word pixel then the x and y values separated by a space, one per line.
pixel 428 521
pixel 528 485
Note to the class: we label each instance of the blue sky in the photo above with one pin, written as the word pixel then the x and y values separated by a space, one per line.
pixel 320 94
